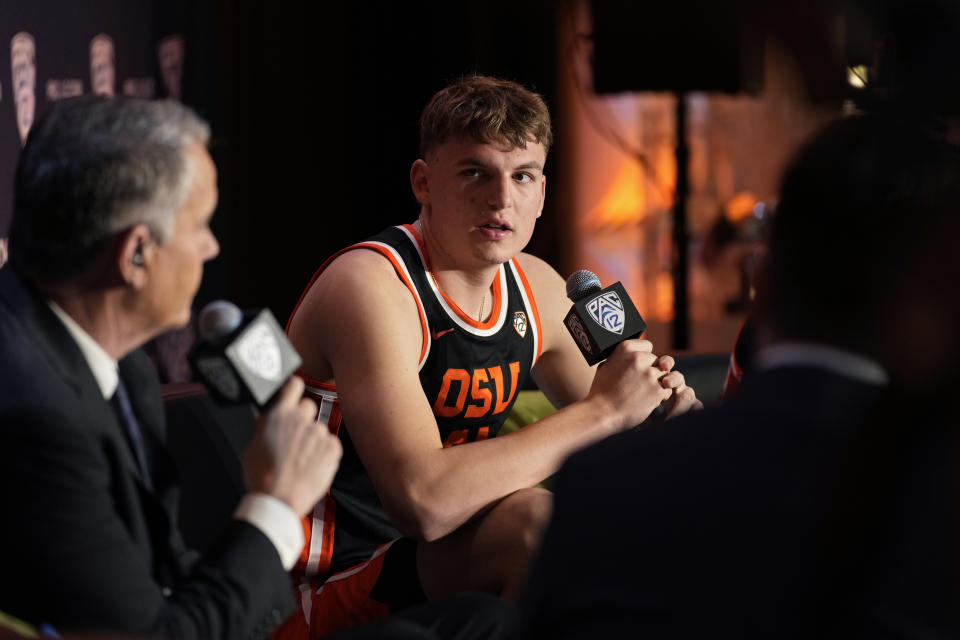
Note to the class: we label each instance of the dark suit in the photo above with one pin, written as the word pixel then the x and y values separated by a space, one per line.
pixel 720 523
pixel 84 545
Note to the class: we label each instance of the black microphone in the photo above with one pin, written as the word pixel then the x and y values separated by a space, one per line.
pixel 600 319
pixel 242 357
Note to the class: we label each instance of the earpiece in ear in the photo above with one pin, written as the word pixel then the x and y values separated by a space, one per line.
pixel 137 258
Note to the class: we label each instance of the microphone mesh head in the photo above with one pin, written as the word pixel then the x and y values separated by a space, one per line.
pixel 217 319
pixel 582 283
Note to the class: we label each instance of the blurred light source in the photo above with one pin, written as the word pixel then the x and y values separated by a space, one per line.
pixel 857 76
pixel 739 207
pixel 625 201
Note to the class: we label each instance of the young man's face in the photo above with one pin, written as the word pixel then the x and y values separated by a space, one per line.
pixel 481 200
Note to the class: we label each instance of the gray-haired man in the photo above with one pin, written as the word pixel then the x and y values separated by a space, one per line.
pixel 110 231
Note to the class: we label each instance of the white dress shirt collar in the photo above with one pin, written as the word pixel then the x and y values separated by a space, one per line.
pixel 104 367
pixel 845 363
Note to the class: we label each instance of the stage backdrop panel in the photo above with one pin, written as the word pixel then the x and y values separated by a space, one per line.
pixel 50 50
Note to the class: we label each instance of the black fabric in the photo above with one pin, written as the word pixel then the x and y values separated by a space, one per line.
pixel 207 441
pixel 896 517
pixel 718 522
pixel 89 547
pixel 120 401
pixel 398 584
pixel 467 616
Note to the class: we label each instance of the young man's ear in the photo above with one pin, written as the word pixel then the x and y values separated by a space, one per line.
pixel 134 255
pixel 419 180
pixel 543 193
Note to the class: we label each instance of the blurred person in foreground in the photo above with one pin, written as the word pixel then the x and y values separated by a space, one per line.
pixel 814 502
pixel 416 343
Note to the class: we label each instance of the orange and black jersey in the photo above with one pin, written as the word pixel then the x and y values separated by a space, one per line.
pixel 470 373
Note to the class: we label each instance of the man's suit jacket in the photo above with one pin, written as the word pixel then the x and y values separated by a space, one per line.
pixel 84 545
pixel 720 523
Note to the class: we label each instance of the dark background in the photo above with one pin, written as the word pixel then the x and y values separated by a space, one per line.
pixel 313 109
pixel 314 106
pixel 320 121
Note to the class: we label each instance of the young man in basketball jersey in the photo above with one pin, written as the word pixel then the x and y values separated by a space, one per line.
pixel 415 343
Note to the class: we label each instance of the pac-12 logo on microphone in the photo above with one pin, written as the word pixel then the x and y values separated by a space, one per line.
pixel 607 311
pixel 260 352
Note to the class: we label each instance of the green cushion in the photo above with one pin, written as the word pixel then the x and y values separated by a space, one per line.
pixel 530 407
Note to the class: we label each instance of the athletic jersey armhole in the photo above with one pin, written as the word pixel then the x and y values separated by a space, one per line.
pixel 306 289
pixel 531 303
pixel 387 252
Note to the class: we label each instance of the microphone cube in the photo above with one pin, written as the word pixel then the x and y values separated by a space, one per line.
pixel 248 365
pixel 263 357
pixel 601 321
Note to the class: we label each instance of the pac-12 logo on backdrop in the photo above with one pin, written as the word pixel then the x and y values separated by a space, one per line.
pixel 607 311
pixel 170 55
pixel 102 70
pixel 23 69
pixel 520 323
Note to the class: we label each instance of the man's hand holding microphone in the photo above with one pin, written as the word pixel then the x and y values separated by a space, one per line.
pixel 291 456
pixel 631 382
pixel 247 358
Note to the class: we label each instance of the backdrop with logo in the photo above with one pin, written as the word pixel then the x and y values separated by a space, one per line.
pixel 53 50
pixel 313 107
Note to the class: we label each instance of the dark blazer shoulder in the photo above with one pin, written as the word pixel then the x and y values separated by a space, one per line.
pixel 105 553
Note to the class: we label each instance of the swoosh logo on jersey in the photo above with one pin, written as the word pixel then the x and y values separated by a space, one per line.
pixel 436 334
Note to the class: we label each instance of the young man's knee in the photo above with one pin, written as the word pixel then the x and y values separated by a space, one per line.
pixel 528 511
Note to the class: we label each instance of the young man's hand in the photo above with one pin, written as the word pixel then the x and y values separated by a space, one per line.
pixel 682 397
pixel 627 384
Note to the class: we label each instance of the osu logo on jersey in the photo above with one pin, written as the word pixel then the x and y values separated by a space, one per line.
pixel 520 323
pixel 488 395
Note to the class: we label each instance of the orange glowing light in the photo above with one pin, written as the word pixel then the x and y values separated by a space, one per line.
pixel 663 297
pixel 623 203
pixel 739 207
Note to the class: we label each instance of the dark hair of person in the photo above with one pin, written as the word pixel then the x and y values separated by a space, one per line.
pixel 858 203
